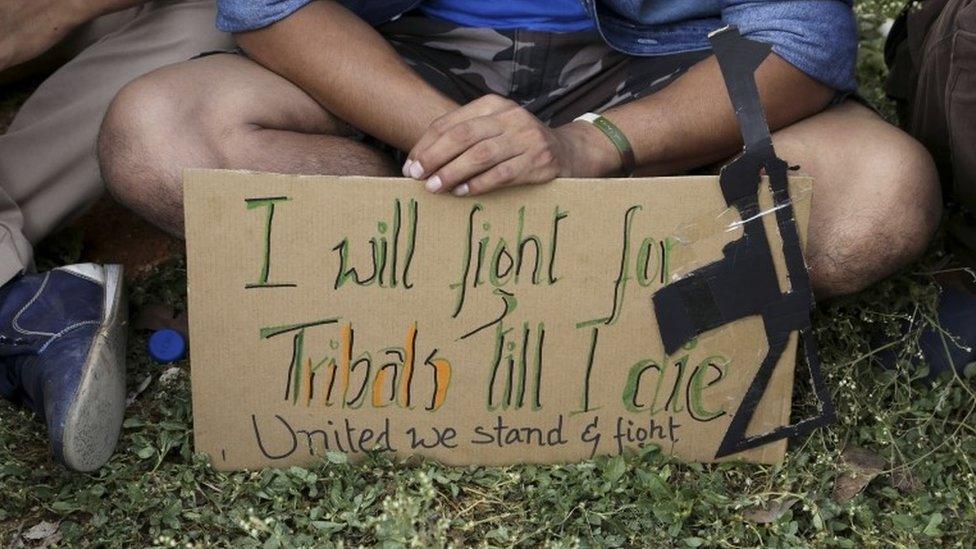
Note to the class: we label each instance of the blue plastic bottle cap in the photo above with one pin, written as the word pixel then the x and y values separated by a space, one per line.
pixel 167 346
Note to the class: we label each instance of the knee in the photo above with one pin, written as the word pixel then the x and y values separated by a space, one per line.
pixel 888 221
pixel 139 141
pixel 157 126
pixel 905 171
pixel 920 195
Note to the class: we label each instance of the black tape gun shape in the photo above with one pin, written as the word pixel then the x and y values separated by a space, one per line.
pixel 744 283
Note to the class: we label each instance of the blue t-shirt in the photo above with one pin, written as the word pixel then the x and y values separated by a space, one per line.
pixel 819 37
pixel 540 15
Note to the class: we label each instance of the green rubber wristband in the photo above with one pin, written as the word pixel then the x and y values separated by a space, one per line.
pixel 617 137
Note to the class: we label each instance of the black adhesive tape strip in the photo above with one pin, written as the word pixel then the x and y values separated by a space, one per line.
pixel 676 324
pixel 744 282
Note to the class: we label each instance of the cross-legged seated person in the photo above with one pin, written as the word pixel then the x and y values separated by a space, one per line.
pixel 483 95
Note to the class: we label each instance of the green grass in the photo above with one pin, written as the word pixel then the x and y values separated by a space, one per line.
pixel 156 492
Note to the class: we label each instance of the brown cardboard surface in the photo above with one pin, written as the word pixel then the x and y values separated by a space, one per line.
pixel 292 357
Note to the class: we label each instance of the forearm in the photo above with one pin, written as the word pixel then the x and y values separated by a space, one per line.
pixel 691 122
pixel 79 12
pixel 347 67
pixel 30 28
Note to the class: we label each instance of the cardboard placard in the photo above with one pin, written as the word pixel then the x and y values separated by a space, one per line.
pixel 351 314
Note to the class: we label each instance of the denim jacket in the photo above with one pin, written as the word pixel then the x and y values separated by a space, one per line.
pixel 819 37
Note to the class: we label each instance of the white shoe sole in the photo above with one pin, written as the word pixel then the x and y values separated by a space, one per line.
pixel 94 421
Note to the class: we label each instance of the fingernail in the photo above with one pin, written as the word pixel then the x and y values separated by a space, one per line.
pixel 433 184
pixel 416 170
pixel 406 168
pixel 461 190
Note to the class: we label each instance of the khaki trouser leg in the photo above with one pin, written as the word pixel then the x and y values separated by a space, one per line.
pixel 48 167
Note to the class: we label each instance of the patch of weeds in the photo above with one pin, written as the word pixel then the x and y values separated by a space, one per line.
pixel 62 248
pixel 873 15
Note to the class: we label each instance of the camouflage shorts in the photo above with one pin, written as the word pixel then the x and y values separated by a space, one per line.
pixel 556 76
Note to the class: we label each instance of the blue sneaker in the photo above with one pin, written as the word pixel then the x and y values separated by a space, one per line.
pixel 62 354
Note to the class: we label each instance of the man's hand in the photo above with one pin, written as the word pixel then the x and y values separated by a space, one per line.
pixel 29 28
pixel 492 143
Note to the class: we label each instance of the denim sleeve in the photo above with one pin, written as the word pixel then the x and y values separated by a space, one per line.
pixel 246 15
pixel 819 37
